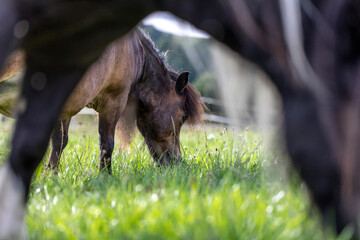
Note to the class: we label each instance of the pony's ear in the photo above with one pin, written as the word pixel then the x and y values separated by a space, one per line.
pixel 181 82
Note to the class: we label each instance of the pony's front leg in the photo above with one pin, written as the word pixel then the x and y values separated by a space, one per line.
pixel 59 139
pixel 42 97
pixel 107 124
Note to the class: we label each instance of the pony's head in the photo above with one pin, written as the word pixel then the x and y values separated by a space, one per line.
pixel 165 101
pixel 162 113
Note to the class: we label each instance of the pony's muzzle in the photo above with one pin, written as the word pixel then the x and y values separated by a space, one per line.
pixel 169 158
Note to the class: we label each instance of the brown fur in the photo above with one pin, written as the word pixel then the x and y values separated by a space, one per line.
pixel 13 67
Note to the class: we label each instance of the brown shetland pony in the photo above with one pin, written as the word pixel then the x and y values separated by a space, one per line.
pixel 131 74
pixel 309 49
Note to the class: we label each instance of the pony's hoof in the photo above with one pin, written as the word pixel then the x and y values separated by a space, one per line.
pixel 54 170
pixel 12 206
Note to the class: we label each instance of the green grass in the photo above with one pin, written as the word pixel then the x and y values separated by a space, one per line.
pixel 229 186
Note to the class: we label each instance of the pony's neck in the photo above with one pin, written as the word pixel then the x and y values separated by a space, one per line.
pixel 154 69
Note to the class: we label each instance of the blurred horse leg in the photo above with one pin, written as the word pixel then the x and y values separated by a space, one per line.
pixel 41 99
pixel 59 140
pixel 8 20
pixel 12 194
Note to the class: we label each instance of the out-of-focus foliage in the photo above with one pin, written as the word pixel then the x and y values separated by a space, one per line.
pixel 207 83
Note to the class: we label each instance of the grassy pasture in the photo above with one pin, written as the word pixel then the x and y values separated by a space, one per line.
pixel 228 187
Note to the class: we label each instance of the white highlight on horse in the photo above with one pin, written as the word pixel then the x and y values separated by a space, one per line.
pixel 12 205
pixel 291 18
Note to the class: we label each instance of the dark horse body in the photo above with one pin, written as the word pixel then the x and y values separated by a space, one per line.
pixel 317 75
pixel 129 72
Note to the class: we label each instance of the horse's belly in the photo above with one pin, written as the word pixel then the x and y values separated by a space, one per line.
pixel 83 94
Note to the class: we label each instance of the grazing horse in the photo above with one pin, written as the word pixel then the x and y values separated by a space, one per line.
pixel 308 48
pixel 131 71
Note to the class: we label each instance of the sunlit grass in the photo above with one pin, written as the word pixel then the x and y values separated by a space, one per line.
pixel 227 187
